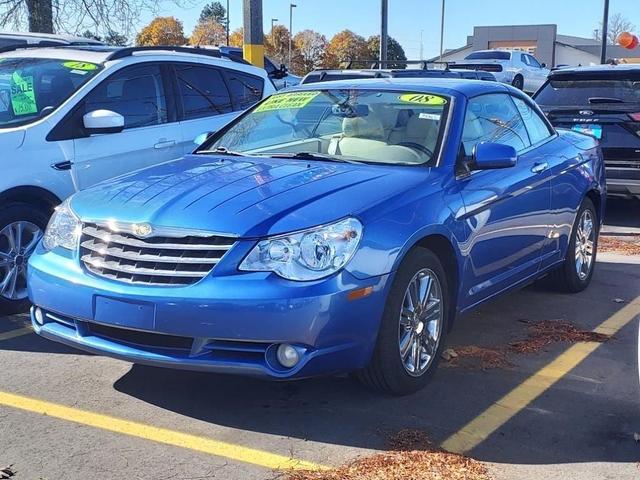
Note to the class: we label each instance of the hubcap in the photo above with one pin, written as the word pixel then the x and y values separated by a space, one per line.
pixel 421 322
pixel 18 240
pixel 585 236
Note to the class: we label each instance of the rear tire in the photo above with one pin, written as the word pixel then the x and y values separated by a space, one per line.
pixel 21 228
pixel 412 334
pixel 577 270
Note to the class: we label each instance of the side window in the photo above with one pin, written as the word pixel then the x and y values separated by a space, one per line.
pixel 535 125
pixel 202 90
pixel 524 59
pixel 493 118
pixel 136 92
pixel 245 89
pixel 533 62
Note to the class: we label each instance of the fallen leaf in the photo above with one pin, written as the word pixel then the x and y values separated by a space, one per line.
pixel 448 354
pixel 636 437
pixel 619 300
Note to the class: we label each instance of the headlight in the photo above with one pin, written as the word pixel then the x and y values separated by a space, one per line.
pixel 307 255
pixel 63 229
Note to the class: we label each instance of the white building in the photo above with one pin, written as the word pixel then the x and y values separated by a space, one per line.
pixel 543 42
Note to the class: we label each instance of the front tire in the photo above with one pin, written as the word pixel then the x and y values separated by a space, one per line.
pixel 413 328
pixel 518 82
pixel 577 270
pixel 21 228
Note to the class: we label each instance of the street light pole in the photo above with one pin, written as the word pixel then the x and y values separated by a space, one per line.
pixel 442 31
pixel 273 21
pixel 227 22
pixel 384 36
pixel 605 32
pixel 291 7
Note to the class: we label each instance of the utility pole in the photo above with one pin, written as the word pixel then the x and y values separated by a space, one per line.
pixel 442 31
pixel 605 32
pixel 384 35
pixel 227 23
pixel 253 47
pixel 273 22
pixel 291 7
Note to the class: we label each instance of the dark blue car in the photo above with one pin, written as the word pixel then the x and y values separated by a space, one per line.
pixel 336 227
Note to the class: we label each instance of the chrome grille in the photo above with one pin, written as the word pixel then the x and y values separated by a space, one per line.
pixel 157 260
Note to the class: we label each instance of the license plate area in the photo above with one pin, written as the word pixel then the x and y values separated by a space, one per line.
pixel 590 129
pixel 122 313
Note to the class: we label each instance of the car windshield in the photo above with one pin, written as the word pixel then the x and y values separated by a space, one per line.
pixel 341 125
pixel 585 91
pixel 488 56
pixel 31 88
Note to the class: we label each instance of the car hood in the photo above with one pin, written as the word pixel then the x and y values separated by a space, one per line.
pixel 245 196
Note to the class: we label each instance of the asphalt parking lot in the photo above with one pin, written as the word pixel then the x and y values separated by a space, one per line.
pixel 567 411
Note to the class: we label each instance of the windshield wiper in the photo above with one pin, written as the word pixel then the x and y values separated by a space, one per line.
pixel 224 151
pixel 309 156
pixel 605 100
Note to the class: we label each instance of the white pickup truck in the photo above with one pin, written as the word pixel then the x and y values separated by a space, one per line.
pixel 519 69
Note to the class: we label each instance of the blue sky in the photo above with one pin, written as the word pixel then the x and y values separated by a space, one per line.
pixel 408 17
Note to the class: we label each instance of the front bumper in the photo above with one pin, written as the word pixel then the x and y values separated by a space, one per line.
pixel 227 324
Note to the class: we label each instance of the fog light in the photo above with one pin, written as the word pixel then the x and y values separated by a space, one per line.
pixel 39 316
pixel 287 355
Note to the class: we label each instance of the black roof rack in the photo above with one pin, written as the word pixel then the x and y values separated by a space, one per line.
pixel 42 44
pixel 129 51
pixel 377 64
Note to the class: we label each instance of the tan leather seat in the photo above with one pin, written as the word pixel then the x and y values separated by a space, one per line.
pixel 423 131
pixel 360 135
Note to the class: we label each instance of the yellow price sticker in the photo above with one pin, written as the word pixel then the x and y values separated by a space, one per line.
pixel 80 66
pixel 423 99
pixel 287 100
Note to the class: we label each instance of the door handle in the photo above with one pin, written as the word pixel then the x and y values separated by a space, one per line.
pixel 539 167
pixel 164 144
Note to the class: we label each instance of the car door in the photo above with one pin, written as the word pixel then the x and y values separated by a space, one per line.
pixel 556 156
pixel 506 210
pixel 209 98
pixel 537 74
pixel 151 133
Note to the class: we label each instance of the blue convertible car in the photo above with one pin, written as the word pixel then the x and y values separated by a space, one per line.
pixel 331 228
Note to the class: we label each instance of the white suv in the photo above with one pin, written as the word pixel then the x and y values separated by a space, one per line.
pixel 73 116
pixel 516 68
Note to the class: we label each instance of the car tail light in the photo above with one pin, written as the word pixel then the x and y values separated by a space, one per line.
pixel 635 116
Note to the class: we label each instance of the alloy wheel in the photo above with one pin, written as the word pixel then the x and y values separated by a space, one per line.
pixel 585 236
pixel 421 322
pixel 18 241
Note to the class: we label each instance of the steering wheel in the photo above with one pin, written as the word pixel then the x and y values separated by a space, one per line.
pixel 417 146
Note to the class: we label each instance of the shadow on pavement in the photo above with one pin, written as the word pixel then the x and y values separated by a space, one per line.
pixel 587 417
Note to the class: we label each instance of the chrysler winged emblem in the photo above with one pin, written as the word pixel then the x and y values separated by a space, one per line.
pixel 142 229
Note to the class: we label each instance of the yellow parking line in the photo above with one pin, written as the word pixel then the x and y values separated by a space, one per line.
pixel 157 434
pixel 18 332
pixel 499 413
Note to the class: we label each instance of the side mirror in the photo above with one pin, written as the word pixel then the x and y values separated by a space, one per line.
pixel 103 121
pixel 491 156
pixel 543 65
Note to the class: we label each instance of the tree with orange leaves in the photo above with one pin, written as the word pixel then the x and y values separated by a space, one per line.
pixel 208 32
pixel 162 31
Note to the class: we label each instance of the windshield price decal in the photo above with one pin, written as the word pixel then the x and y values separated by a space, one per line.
pixel 423 99
pixel 23 98
pixel 287 100
pixel 80 66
